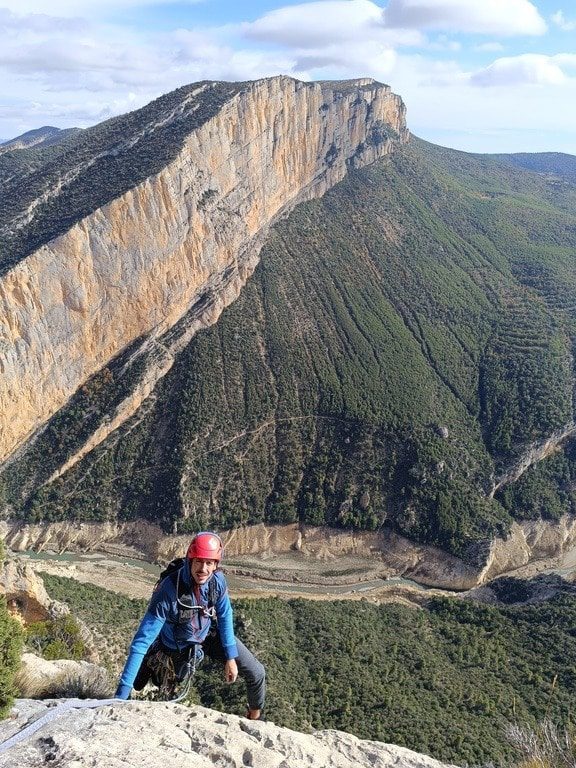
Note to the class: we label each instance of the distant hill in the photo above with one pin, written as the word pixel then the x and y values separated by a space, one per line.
pixel 552 163
pixel 40 138
pixel 45 137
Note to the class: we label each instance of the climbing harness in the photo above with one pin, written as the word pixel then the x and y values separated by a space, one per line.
pixel 173 671
pixel 186 672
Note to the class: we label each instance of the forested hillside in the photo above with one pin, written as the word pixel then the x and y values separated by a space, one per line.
pixel 404 341
pixel 445 680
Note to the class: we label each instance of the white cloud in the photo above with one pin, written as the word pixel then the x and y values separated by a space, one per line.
pixel 444 108
pixel 443 43
pixel 561 21
pixel 38 23
pixel 565 60
pixel 86 8
pixel 329 22
pixel 110 59
pixel 99 61
pixel 46 57
pixel 64 53
pixel 509 17
pixel 335 38
pixel 348 60
pixel 528 69
pixel 64 113
pixel 197 56
pixel 415 74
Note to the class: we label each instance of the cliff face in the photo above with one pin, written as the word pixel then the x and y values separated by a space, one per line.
pixel 25 594
pixel 137 265
pixel 533 454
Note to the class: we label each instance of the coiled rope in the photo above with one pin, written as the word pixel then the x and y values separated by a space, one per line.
pixel 53 714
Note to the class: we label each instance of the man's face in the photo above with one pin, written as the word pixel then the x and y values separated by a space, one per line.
pixel 202 569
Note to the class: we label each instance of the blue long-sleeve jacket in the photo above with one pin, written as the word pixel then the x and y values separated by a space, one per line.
pixel 165 619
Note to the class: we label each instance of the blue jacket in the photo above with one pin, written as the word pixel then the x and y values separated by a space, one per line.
pixel 164 618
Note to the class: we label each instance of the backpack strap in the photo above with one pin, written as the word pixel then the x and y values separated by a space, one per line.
pixel 212 598
pixel 182 589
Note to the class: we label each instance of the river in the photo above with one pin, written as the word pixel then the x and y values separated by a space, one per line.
pixel 136 577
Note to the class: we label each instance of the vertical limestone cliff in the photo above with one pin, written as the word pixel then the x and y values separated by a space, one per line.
pixel 135 266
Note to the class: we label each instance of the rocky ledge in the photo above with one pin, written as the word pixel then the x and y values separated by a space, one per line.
pixel 147 734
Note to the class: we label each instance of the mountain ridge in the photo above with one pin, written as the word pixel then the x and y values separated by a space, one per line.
pixel 404 345
pixel 45 136
pixel 215 216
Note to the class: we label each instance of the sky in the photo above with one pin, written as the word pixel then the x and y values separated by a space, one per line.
pixel 476 75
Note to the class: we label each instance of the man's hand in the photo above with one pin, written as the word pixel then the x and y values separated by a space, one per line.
pixel 230 671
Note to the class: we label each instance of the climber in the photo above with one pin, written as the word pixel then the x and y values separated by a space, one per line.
pixel 190 614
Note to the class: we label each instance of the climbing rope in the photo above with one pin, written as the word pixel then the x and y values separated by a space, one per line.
pixel 189 671
pixel 53 714
pixel 168 678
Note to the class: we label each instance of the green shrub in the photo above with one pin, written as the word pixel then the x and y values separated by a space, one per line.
pixel 59 638
pixel 10 652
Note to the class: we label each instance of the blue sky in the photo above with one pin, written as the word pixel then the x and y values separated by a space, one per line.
pixel 478 75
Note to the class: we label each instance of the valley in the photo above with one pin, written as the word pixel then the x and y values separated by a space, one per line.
pixel 289 574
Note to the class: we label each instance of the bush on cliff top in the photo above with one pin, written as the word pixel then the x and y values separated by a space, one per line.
pixel 10 651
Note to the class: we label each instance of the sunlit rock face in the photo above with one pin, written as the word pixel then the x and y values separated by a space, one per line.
pixel 135 266
pixel 25 594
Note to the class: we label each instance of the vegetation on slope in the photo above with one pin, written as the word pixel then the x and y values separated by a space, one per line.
pixel 57 638
pixel 445 680
pixel 403 341
pixel 10 647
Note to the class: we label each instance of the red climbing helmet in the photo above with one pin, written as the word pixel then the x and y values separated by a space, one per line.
pixel 205 546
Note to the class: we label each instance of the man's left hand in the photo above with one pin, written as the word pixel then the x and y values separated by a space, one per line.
pixel 230 671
